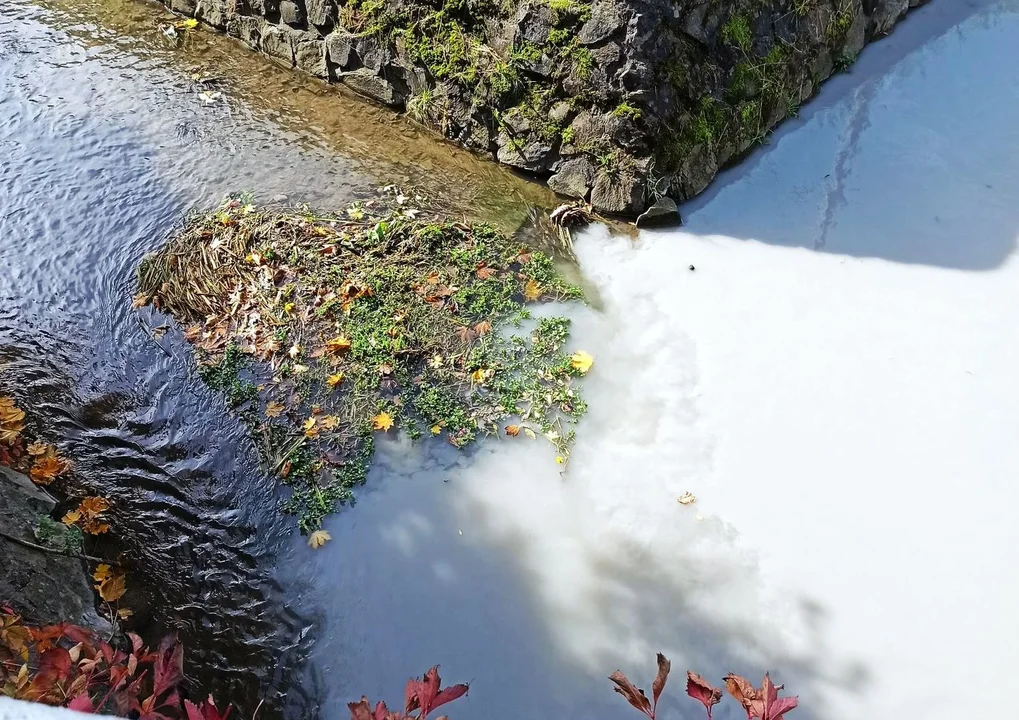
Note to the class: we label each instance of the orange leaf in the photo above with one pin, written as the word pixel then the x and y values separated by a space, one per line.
pixel 274 409
pixel 383 421
pixel 338 344
pixel 512 430
pixel 532 291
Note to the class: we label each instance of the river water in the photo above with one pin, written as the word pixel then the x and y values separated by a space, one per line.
pixel 834 380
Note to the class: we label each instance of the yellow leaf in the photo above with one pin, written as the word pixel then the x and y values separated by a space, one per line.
pixel 140 300
pixel 47 468
pixel 560 459
pixel 329 422
pixel 687 498
pixel 294 351
pixel 532 291
pixel 334 380
pixel 93 505
pixel 288 307
pixel 190 23
pixel 436 429
pixel 309 427
pixel 479 376
pixel 581 362
pixel 318 538
pixel 10 413
pixel 512 430
pixel 436 361
pixel 102 572
pixel 274 409
pixel 383 421
pixel 113 586
pixel 124 613
pixel 71 517
pixel 38 448
pixel 338 344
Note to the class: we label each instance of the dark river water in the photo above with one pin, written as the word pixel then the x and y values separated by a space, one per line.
pixel 835 383
pixel 104 145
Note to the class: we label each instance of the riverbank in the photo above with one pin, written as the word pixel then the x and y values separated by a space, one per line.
pixel 615 102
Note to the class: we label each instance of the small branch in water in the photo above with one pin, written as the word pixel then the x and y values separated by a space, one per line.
pixel 54 551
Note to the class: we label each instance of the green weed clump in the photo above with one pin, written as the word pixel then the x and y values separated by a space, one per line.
pixel 322 330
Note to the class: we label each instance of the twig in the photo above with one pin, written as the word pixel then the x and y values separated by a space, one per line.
pixel 54 551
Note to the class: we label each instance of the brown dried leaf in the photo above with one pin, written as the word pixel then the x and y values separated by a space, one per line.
pixel 699 689
pixel 274 409
pixel 634 695
pixel 664 666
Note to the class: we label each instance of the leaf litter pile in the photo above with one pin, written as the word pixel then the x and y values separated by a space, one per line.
pixel 321 330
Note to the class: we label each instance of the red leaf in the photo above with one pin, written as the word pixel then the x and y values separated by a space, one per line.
pixel 381 711
pixel 773 706
pixel 449 694
pixel 206 711
pixel 664 667
pixel 360 710
pixel 633 695
pixel 55 662
pixel 76 634
pixel 136 642
pixel 192 711
pixel 699 689
pixel 82 703
pixel 168 670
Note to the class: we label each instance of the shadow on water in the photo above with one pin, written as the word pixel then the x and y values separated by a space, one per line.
pixel 962 121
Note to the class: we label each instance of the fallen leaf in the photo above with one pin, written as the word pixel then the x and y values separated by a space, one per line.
pixel 71 517
pixel 385 369
pixel 38 448
pixel 124 613
pixel 687 498
pixel 436 362
pixel 47 468
pixel 483 327
pixel 530 433
pixel 190 23
pixel 581 362
pixel 274 409
pixel 334 380
pixel 512 430
pixel 318 538
pixel 294 351
pixel 299 369
pixel 383 421
pixel 140 300
pixel 113 586
pixel 485 272
pixel 93 505
pixel 479 376
pixel 436 429
pixel 532 291
pixel 338 344
pixel 309 427
pixel 329 422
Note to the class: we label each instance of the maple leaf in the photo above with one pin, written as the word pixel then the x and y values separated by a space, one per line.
pixel 71 517
pixel 38 448
pixel 329 422
pixel 93 505
pixel 274 409
pixel 436 429
pixel 113 586
pixel 9 412
pixel 318 538
pixel 47 467
pixel 532 291
pixel 425 695
pixel 512 430
pixel 102 572
pixel 338 344
pixel 699 689
pixel 309 427
pixel 94 527
pixel 207 710
pixel 581 362
pixel 772 706
pixel 383 421
pixel 334 380
pixel 479 376
pixel 745 693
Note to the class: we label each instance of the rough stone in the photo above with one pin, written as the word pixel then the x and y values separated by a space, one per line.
pixel 278 43
pixel 663 212
pixel 184 7
pixel 533 156
pixel 534 22
pixel 574 178
pixel 321 13
pixel 44 587
pixel 367 83
pixel 214 12
pixel 247 29
pixel 883 14
pixel 310 56
pixel 605 21
pixel 340 49
pixel 620 192
pixel 292 14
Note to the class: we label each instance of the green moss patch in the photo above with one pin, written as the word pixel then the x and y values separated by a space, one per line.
pixel 322 330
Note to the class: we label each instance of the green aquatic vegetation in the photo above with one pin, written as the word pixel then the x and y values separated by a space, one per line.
pixel 322 330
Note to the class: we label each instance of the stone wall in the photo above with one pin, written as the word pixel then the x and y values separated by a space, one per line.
pixel 612 101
